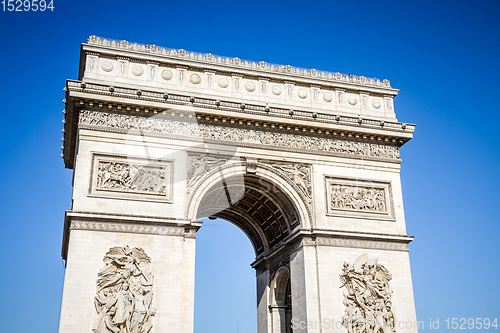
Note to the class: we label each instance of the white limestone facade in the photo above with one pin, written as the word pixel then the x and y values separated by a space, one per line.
pixel 305 162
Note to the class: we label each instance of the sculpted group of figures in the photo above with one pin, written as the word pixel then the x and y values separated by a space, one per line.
pixel 160 125
pixel 130 177
pixel 368 298
pixel 299 174
pixel 357 198
pixel 124 293
pixel 198 166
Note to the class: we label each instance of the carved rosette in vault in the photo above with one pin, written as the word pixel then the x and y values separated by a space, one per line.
pixel 124 293
pixel 368 304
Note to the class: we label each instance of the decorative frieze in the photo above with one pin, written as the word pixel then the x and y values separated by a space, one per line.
pixel 128 228
pixel 368 300
pixel 360 198
pixel 127 177
pixel 362 243
pixel 357 198
pixel 123 302
pixel 357 242
pixel 131 177
pixel 272 138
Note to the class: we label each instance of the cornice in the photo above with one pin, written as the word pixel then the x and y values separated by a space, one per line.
pixel 352 239
pixel 126 217
pixel 333 238
pixel 261 68
pixel 127 223
pixel 179 107
pixel 317 232
pixel 164 101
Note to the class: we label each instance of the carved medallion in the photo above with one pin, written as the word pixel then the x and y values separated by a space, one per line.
pixel 223 82
pixel 137 70
pixel 124 292
pixel 328 97
pixel 250 86
pixel 195 79
pixel 107 66
pixel 302 93
pixel 167 75
pixel 352 100
pixel 276 90
pixel 376 103
pixel 368 303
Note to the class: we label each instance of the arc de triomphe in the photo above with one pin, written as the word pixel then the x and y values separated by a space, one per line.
pixel 305 162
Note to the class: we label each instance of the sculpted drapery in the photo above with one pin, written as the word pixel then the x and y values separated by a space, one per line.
pixel 124 293
pixel 368 305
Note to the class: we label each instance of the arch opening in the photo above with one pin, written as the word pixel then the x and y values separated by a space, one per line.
pixel 256 205
pixel 225 285
pixel 269 209
pixel 281 302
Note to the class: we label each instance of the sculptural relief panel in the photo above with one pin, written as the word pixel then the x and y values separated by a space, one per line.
pixel 368 298
pixel 123 301
pixel 126 177
pixel 199 165
pixel 298 173
pixel 360 198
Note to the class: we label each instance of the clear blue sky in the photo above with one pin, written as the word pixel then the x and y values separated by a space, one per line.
pixel 443 55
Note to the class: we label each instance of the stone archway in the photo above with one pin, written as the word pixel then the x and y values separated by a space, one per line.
pixel 262 202
pixel 306 163
pixel 269 210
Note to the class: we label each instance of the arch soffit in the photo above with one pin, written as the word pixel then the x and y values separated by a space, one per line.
pixel 288 188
